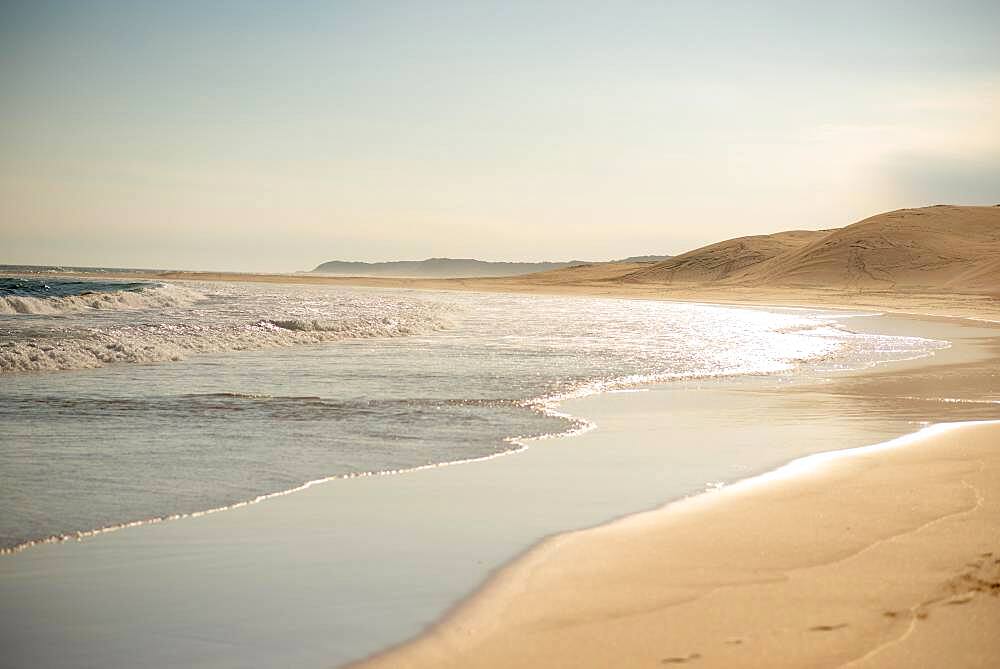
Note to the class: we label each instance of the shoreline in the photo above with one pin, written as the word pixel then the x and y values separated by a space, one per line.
pixel 548 405
pixel 228 522
pixel 555 604
pixel 578 426
pixel 976 306
pixel 536 612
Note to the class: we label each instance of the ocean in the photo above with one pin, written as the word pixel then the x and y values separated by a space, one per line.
pixel 129 401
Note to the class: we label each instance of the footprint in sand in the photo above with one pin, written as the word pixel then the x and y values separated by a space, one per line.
pixel 827 628
pixel 680 660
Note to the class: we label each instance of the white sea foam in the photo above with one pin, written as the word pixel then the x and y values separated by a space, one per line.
pixel 370 326
pixel 157 296
pixel 146 323
pixel 169 342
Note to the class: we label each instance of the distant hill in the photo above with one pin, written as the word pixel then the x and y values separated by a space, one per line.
pixel 446 268
pixel 438 268
pixel 643 259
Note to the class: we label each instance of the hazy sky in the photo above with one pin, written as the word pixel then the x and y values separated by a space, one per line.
pixel 275 135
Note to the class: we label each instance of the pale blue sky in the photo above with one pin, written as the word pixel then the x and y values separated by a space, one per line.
pixel 276 135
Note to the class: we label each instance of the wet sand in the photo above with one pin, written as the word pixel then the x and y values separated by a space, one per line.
pixel 883 556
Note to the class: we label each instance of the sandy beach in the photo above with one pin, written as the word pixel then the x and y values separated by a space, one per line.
pixel 881 548
pixel 338 571
pixel 881 557
pixel 500 335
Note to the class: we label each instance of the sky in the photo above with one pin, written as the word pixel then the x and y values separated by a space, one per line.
pixel 273 136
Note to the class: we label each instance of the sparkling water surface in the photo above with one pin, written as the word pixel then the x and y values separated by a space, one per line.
pixel 183 397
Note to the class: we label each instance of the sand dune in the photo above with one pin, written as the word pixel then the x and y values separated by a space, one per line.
pixel 938 248
pixel 949 247
pixel 587 272
pixel 723 260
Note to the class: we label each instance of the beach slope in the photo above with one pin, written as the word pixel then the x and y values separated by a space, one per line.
pixel 887 556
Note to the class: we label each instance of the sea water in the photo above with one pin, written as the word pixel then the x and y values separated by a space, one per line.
pixel 125 401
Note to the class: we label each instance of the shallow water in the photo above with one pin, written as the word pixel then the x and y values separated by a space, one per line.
pixel 256 389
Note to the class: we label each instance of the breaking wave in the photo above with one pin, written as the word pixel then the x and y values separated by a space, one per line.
pixel 372 326
pixel 24 299
pixel 50 324
pixel 165 342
